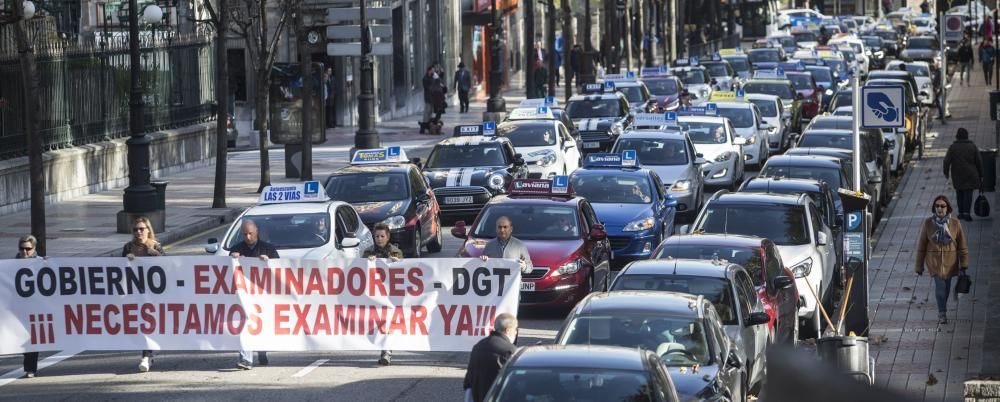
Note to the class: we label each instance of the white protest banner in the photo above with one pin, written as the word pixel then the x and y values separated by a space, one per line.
pixel 221 303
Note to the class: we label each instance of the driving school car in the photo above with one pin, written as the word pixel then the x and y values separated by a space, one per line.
pixel 300 221
pixel 567 244
pixel 601 114
pixel 545 143
pixel 716 141
pixel 638 96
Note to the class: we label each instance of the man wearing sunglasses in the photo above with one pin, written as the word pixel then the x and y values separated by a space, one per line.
pixel 26 249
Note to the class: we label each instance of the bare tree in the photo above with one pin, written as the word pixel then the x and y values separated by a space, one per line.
pixel 250 21
pixel 220 22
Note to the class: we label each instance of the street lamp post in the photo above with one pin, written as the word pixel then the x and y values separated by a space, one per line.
pixel 140 196
pixel 366 137
pixel 496 107
pixel 586 59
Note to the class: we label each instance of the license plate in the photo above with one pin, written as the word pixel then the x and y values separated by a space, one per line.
pixel 589 145
pixel 527 286
pixel 458 200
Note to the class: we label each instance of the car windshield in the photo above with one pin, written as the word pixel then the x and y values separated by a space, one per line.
pixel 717 69
pixel 787 41
pixel 787 225
pixel 454 156
pixel 916 69
pixel 586 109
pixel 662 87
pixel 804 37
pixel 680 341
pixel 829 175
pixel 781 90
pixel 747 257
pixel 703 132
pixel 368 187
pixel 716 290
pixel 529 135
pixel 922 43
pixel 655 151
pixel 738 63
pixel 825 140
pixel 836 64
pixel 842 98
pixel 740 117
pixel 286 231
pixel 562 384
pixel 821 75
pixel 632 94
pixel 532 222
pixel 768 108
pixel 764 56
pixel 691 77
pixel 612 188
pixel 801 81
pixel 873 42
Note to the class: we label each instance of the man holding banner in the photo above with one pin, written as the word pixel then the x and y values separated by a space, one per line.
pixel 252 246
pixel 383 249
pixel 507 246
pixel 26 249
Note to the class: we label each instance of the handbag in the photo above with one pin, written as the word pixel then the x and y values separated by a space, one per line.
pixel 981 206
pixel 963 284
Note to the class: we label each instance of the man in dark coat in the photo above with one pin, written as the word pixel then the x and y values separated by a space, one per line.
pixel 463 84
pixel 964 166
pixel 26 249
pixel 489 356
pixel 252 246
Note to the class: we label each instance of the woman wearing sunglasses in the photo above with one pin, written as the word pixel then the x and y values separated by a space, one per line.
pixel 942 248
pixel 26 249
pixel 143 244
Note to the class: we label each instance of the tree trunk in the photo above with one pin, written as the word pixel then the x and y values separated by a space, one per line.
pixel 262 111
pixel 222 98
pixel 29 95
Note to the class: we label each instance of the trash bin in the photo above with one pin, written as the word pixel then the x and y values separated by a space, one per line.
pixel 989 178
pixel 849 353
pixel 161 194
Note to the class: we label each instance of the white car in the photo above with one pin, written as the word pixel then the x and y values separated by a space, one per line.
pixel 860 51
pixel 747 121
pixel 794 16
pixel 772 112
pixel 921 72
pixel 301 222
pixel 546 144
pixel 638 96
pixel 715 140
pixel 895 138
pixel 696 80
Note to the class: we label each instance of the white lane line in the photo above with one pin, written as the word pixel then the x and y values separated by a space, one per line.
pixel 308 369
pixel 56 358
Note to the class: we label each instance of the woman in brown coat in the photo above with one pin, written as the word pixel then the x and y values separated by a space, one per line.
pixel 143 244
pixel 942 248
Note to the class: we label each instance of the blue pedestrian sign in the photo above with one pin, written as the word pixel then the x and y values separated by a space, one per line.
pixel 883 107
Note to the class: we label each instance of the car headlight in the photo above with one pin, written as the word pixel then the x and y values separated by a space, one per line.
pixel 926 85
pixel 681 185
pixel 569 268
pixel 704 93
pixel 394 222
pixel 828 92
pixel 802 269
pixel 640 225
pixel 496 182
pixel 725 156
pixel 548 158
pixel 752 140
pixel 617 128
pixel 880 54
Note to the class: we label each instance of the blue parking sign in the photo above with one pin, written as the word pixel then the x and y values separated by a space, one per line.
pixel 883 107
pixel 854 220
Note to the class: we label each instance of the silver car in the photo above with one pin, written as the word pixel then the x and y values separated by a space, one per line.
pixel 672 156
pixel 749 124
pixel 772 112
pixel 715 140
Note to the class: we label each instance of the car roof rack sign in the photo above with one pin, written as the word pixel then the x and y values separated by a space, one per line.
pixel 487 128
pixel 549 101
pixel 307 191
pixel 557 186
pixel 375 156
pixel 627 159
pixel 531 113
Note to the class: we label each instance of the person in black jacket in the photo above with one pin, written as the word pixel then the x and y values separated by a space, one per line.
pixel 252 246
pixel 489 356
pixel 26 249
pixel 463 84
pixel 964 62
pixel 383 249
pixel 964 165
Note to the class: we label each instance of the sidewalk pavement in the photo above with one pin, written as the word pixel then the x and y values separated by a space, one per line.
pixel 85 225
pixel 913 352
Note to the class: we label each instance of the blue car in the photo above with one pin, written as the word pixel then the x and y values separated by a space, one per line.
pixel 631 202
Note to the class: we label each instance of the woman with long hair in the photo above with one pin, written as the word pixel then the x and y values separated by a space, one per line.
pixel 942 248
pixel 143 244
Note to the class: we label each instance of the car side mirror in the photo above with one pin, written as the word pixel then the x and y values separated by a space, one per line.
pixel 739 141
pixel 734 360
pixel 758 318
pixel 669 202
pixel 799 96
pixel 822 239
pixel 700 161
pixel 459 230
pixel 350 242
pixel 213 245
pixel 598 233
pixel 417 162
pixel 518 160
pixel 782 282
pixel 794 137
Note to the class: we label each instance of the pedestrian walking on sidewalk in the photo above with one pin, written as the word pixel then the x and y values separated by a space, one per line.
pixel 964 166
pixel 252 246
pixel 541 79
pixel 143 244
pixel 383 249
pixel 463 84
pixel 986 55
pixel 964 61
pixel 488 357
pixel 942 248
pixel 428 85
pixel 26 249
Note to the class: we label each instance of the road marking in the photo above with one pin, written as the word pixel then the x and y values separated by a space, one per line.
pixel 308 369
pixel 51 360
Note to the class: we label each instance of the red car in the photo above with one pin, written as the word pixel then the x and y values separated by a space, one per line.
pixel 568 246
pixel 774 283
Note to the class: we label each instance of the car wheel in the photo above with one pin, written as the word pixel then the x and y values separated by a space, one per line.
pixel 435 245
pixel 418 241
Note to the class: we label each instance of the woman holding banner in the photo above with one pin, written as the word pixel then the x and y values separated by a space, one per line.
pixel 383 249
pixel 143 244
pixel 26 249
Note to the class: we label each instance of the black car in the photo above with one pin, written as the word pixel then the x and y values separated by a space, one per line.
pixel 684 330
pixel 877 59
pixel 393 194
pixel 465 172
pixel 600 117
pixel 874 149
pixel 892 42
pixel 921 48
pixel 834 170
pixel 584 373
